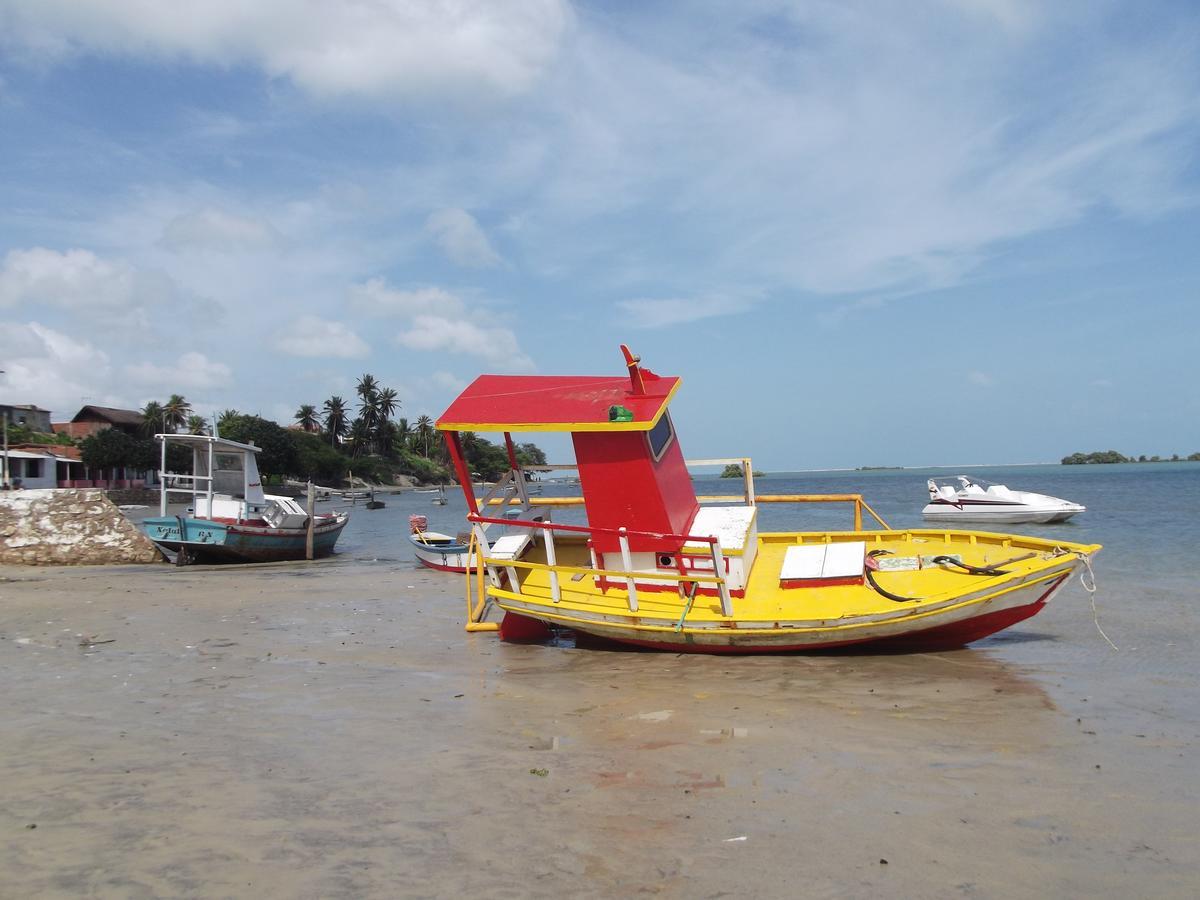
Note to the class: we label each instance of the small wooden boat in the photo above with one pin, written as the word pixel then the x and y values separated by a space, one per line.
pixel 656 566
pixel 375 504
pixel 231 519
pixel 435 550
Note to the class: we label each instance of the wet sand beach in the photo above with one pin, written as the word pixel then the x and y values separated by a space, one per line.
pixel 329 730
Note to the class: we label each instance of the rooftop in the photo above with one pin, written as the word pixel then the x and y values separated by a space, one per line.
pixel 557 403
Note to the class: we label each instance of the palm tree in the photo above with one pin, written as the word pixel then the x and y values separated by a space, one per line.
pixel 176 411
pixel 306 416
pixel 360 437
pixel 367 386
pixel 425 431
pixel 226 418
pixel 385 405
pixel 401 434
pixel 335 419
pixel 197 425
pixel 152 418
pixel 369 396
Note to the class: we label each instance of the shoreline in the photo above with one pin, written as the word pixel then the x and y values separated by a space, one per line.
pixel 328 729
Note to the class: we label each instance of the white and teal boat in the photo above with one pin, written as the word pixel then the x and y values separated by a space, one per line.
pixel 230 518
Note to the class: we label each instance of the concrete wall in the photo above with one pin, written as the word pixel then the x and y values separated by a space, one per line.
pixel 69 527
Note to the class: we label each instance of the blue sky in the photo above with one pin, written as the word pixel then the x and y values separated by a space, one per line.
pixel 864 233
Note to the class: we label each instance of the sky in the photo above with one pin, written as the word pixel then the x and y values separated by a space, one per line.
pixel 864 233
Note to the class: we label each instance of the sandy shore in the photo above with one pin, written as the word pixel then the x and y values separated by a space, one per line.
pixel 329 730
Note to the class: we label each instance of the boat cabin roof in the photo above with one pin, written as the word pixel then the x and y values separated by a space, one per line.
pixel 218 443
pixel 571 403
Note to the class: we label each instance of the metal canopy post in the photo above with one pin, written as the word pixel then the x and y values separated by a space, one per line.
pixel 627 565
pixel 718 558
pixel 162 479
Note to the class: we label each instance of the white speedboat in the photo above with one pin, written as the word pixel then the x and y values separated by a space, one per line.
pixel 961 498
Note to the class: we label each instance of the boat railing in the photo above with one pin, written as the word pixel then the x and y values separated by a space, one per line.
pixel 497 496
pixel 860 505
pixel 625 574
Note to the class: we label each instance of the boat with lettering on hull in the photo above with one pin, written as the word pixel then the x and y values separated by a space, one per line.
pixel 231 519
pixel 657 566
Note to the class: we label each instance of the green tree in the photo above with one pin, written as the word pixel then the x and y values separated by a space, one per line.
pixel 197 425
pixel 424 433
pixel 278 453
pixel 335 419
pixel 108 449
pixel 316 460
pixel 401 435
pixel 306 417
pixel 225 417
pixel 176 411
pixel 153 420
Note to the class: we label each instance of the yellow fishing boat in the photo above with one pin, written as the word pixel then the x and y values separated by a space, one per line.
pixel 657 566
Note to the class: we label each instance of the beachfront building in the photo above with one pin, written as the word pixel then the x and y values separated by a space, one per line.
pixel 45 466
pixel 26 416
pixel 91 419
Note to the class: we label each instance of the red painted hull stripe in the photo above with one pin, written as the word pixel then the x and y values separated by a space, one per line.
pixel 940 637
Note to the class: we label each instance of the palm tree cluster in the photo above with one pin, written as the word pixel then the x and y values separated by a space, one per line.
pixel 373 430
pixel 170 417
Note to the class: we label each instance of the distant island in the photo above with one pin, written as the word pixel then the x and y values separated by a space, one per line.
pixel 1112 456
pixel 733 470
pixel 877 468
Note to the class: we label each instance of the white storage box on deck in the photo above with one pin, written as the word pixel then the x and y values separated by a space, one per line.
pixel 823 565
pixel 510 546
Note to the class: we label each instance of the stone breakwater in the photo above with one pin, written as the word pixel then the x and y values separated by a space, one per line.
pixel 69 528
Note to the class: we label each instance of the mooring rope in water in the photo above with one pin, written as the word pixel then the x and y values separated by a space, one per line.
pixel 1091 589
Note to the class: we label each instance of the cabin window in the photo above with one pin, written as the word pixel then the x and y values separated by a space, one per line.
pixel 660 437
pixel 33 468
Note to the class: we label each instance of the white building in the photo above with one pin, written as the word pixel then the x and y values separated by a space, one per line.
pixel 39 468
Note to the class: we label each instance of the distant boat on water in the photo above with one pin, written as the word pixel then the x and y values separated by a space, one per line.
pixel 963 498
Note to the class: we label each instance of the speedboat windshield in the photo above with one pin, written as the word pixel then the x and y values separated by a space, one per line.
pixel 959 482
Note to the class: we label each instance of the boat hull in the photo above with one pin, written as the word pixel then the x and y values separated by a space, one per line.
pixel 949 635
pixel 205 540
pixel 999 514
pixel 933 607
pixel 443 557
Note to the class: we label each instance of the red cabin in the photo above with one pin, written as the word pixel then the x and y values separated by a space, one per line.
pixel 631 470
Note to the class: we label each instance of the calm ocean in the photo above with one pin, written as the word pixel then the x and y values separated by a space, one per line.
pixel 1147 515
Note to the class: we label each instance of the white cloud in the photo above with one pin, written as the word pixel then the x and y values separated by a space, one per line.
pixel 408 48
pixel 461 239
pixel 191 371
pixel 52 370
pixel 311 336
pixel 376 298
pixel 495 344
pixel 447 381
pixel 75 279
pixel 215 229
pixel 648 313
pixel 981 379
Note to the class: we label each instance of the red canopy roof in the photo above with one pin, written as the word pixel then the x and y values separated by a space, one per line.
pixel 556 403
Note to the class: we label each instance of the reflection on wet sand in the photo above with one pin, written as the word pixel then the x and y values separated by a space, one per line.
pixel 246 731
